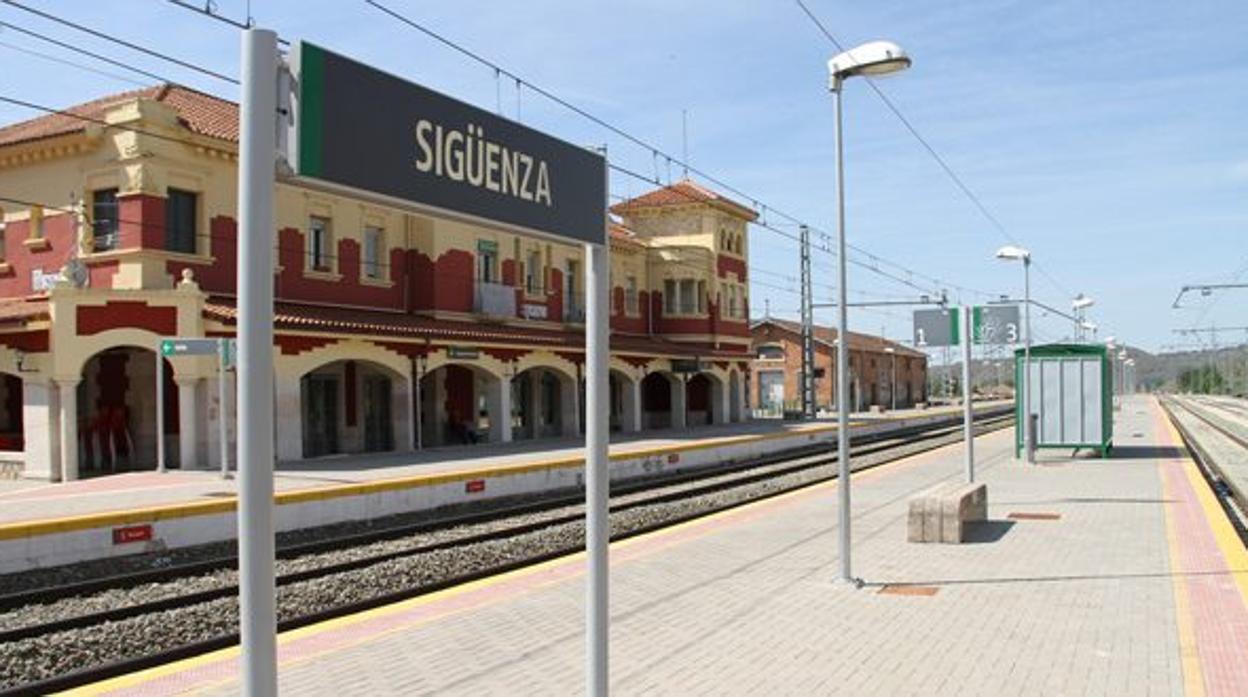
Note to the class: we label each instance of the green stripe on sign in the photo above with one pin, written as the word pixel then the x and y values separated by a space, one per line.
pixel 311 108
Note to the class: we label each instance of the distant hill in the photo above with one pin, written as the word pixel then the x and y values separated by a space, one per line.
pixel 1153 371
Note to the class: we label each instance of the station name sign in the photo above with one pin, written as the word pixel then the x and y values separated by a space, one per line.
pixel 361 128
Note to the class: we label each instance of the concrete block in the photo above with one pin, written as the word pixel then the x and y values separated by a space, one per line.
pixel 940 514
pixel 966 504
pixel 915 531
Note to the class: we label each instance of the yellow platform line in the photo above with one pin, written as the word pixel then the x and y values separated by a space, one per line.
pixel 86 521
pixel 150 674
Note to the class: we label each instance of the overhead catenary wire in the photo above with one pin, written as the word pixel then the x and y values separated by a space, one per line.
pixel 655 150
pixel 873 265
pixel 927 146
pixel 499 70
pixel 208 10
pixel 62 61
pixel 122 42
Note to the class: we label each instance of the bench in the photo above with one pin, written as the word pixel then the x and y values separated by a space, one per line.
pixel 941 513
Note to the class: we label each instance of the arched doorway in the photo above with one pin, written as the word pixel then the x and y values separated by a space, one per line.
pixel 117 412
pixel 12 427
pixel 350 406
pixel 544 404
pixel 461 404
pixel 656 401
pixel 698 400
pixel 624 395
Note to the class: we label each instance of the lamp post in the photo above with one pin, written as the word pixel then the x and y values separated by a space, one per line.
pixel 873 59
pixel 1080 305
pixel 1013 253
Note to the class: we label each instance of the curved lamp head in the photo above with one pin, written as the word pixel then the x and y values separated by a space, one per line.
pixel 872 59
pixel 1013 253
pixel 1081 301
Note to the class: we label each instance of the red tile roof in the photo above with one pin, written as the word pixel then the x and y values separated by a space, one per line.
pixel 683 193
pixel 199 113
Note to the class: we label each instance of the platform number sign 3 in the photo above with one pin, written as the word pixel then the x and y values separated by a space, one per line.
pixel 996 324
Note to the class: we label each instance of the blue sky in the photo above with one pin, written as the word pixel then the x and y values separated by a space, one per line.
pixel 1107 137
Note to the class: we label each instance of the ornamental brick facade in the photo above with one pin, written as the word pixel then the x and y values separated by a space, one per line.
pixel 394 330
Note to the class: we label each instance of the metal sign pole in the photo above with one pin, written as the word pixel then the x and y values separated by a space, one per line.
pixel 597 477
pixel 223 410
pixel 256 164
pixel 967 412
pixel 160 409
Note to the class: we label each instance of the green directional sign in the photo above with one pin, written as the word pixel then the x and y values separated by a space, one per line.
pixel 174 347
pixel 229 356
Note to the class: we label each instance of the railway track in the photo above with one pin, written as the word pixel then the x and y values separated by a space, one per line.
pixel 65 636
pixel 1232 496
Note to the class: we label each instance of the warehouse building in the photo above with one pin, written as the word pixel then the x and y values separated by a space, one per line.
pixel 880 370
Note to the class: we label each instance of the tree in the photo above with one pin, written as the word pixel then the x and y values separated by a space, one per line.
pixel 1205 379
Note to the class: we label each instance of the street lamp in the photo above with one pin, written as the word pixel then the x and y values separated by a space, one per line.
pixel 892 389
pixel 873 59
pixel 1013 253
pixel 1080 305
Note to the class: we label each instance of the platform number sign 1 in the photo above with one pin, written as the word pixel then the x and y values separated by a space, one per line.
pixel 935 327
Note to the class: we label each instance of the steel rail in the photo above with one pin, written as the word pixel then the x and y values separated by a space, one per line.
pixel 1231 497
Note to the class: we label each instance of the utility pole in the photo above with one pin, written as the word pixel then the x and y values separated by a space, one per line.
pixel 808 331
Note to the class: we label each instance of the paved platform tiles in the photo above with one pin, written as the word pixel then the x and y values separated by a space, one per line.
pixel 1138 587
pixel 21 502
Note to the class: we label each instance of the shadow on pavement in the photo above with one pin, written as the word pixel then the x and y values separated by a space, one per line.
pixel 1147 452
pixel 987 531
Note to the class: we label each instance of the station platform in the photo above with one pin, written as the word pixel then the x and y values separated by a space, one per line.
pixel 131 513
pixel 1118 577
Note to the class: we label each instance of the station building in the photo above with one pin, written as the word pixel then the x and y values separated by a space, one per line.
pixel 877 367
pixel 393 330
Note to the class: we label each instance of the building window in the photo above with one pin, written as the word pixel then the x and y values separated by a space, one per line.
pixel 104 219
pixel 180 213
pixel 487 261
pixel 771 352
pixel 732 301
pixel 630 295
pixel 701 297
pixel 533 273
pixel 688 296
pixel 669 297
pixel 320 237
pixel 374 244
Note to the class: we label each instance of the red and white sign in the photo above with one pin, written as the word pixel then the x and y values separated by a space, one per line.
pixel 132 533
